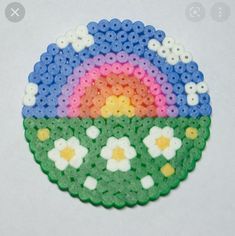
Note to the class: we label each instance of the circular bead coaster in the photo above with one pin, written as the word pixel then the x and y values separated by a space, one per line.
pixel 116 113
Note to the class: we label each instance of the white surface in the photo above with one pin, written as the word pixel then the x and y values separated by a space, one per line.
pixel 31 205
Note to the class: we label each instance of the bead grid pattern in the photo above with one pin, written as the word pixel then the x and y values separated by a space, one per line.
pixel 116 113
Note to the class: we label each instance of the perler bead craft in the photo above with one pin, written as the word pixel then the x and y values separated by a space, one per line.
pixel 116 113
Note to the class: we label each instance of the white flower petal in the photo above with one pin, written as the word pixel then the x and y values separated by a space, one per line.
pixel 112 142
pixel 168 153
pixel 76 162
pixel 112 165
pixel 124 165
pixel 81 151
pixel 106 152
pixel 124 142
pixel 61 163
pixel 73 141
pixel 130 152
pixel 155 132
pixel 175 143
pixel 154 151
pixel 60 144
pixel 168 132
pixel 54 154
pixel 149 140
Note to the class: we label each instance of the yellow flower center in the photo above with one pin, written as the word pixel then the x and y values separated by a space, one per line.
pixel 118 154
pixel 117 106
pixel 67 153
pixel 162 142
pixel 43 134
pixel 191 133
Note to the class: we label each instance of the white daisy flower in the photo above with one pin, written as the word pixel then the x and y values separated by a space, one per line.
pixel 162 142
pixel 68 152
pixel 118 152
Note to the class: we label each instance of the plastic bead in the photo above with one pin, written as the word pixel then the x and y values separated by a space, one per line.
pixel 29 100
pixel 172 59
pixel 186 57
pixel 190 88
pixel 62 42
pixel 177 49
pixel 191 133
pixel 168 42
pixel 163 51
pixel 159 35
pixel 103 25
pixel 90 183
pixel 167 170
pixel 197 76
pixel 115 24
pixel 92 27
pixel 192 99
pixel 31 88
pixel 138 27
pixel 202 87
pixel 122 36
pixel 204 98
pixel 147 182
pixel 149 31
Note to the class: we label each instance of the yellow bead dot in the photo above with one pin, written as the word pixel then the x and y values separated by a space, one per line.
pixel 191 133
pixel 112 101
pixel 117 112
pixel 43 134
pixel 106 112
pixel 129 111
pixel 123 100
pixel 167 170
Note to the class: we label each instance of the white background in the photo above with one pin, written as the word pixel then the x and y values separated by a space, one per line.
pixel 31 205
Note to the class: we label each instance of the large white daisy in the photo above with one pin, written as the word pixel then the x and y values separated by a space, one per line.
pixel 162 142
pixel 67 152
pixel 118 153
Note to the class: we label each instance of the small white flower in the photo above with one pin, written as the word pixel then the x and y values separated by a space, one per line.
pixel 92 132
pixel 118 152
pixel 147 182
pixel 69 152
pixel 162 142
pixel 90 183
